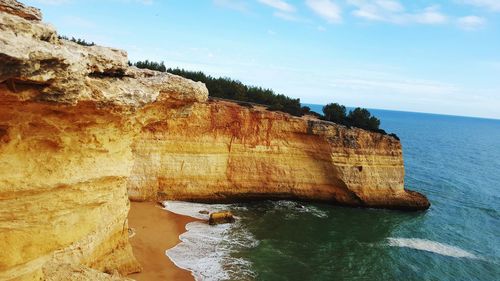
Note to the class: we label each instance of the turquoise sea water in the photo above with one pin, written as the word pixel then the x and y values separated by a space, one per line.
pixel 455 161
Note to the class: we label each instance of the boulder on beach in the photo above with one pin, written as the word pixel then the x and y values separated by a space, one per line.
pixel 221 217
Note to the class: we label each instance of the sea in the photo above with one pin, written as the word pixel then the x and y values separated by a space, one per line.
pixel 454 161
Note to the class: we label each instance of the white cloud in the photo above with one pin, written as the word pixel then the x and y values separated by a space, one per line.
pixel 368 12
pixel 393 11
pixel 390 5
pixel 281 5
pixel 430 15
pixel 399 85
pixel 326 9
pixel 286 16
pixel 470 23
pixel 493 5
pixel 283 9
pixel 232 4
pixel 376 10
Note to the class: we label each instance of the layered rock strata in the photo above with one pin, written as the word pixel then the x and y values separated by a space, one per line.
pixel 220 152
pixel 81 132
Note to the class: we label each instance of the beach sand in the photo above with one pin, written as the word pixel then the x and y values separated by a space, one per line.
pixel 156 231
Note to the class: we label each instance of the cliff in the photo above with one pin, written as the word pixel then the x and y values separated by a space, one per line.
pixel 219 151
pixel 81 132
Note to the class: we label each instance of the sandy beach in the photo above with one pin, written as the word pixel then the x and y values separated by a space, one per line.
pixel 156 231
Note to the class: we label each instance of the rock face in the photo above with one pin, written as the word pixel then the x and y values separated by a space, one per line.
pixel 219 151
pixel 81 133
pixel 65 148
pixel 18 9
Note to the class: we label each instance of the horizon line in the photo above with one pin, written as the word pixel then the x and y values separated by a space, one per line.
pixel 417 112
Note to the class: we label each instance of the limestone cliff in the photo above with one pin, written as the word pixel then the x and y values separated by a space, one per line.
pixel 81 132
pixel 66 131
pixel 220 151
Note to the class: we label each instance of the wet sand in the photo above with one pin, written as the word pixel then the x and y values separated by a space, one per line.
pixel 156 230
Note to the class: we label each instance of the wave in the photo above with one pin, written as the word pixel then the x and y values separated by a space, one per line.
pixel 291 208
pixel 193 209
pixel 208 251
pixel 431 246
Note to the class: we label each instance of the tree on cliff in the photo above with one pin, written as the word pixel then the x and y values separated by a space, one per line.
pixel 359 117
pixel 77 41
pixel 362 118
pixel 158 66
pixel 335 112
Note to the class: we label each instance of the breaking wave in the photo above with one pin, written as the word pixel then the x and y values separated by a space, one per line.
pixel 431 246
pixel 209 252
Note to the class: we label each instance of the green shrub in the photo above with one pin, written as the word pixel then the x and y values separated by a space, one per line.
pixel 358 117
pixel 150 65
pixel 77 41
pixel 335 112
pixel 362 118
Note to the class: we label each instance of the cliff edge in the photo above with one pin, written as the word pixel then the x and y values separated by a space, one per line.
pixel 81 132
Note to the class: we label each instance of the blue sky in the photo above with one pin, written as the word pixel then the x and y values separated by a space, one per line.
pixel 420 55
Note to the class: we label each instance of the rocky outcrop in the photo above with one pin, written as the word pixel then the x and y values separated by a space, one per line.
pixel 81 132
pixel 221 218
pixel 65 148
pixel 15 8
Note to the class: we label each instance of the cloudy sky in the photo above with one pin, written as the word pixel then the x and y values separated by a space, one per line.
pixel 419 55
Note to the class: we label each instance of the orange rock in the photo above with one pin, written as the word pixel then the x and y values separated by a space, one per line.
pixel 221 218
pixel 18 9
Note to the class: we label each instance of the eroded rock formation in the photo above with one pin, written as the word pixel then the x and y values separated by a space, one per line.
pixel 81 132
pixel 219 151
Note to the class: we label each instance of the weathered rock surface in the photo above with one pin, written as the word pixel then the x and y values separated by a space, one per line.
pixel 81 132
pixel 65 147
pixel 18 9
pixel 219 151
pixel 221 218
pixel 61 71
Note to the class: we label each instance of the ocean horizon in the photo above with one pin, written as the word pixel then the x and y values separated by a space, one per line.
pixel 318 108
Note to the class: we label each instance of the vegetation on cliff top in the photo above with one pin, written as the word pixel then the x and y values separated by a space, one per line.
pixel 358 117
pixel 77 41
pixel 158 66
pixel 227 88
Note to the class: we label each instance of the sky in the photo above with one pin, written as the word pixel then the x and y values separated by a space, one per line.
pixel 415 55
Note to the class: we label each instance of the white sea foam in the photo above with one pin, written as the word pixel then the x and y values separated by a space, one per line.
pixel 207 250
pixel 296 208
pixel 193 209
pixel 431 246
